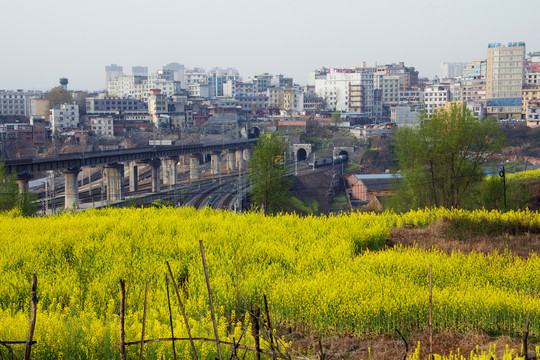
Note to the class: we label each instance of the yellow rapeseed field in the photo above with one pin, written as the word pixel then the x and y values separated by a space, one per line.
pixel 331 274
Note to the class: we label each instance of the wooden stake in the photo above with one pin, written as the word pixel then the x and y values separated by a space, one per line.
pixel 255 313
pixel 270 328
pixel 170 316
pixel 525 336
pixel 239 346
pixel 430 312
pixel 143 321
pixel 210 300
pixel 183 312
pixel 406 345
pixel 322 355
pixel 122 317
pixel 33 311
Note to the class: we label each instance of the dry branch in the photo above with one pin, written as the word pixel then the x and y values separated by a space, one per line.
pixel 243 347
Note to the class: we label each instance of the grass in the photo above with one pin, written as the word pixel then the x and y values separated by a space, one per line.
pixel 339 203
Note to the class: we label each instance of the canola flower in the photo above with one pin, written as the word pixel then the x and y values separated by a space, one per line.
pixel 477 354
pixel 327 273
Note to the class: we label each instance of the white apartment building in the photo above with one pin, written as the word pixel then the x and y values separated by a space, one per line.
pixel 335 86
pixel 17 103
pixel 456 91
pixel 434 97
pixel 201 90
pixel 410 96
pixel 261 82
pixel 403 115
pixel 103 126
pixel 532 114
pixel 532 78
pixel 477 108
pixel 233 88
pixel 452 70
pixel 137 86
pixel 194 78
pixel 290 101
pixel 112 72
pixel 252 102
pixel 65 116
pixel 389 86
pixel 127 86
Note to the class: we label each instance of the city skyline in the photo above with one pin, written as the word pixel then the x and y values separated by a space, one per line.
pixel 49 40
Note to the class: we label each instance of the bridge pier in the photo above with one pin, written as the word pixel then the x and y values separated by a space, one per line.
pixel 154 165
pixel 71 191
pixel 115 181
pixel 239 159
pixel 230 159
pixel 247 155
pixel 133 176
pixel 215 164
pixel 22 181
pixel 194 173
pixel 170 173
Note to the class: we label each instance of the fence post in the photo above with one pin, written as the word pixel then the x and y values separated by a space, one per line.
pixel 210 299
pixel 430 312
pixel 143 321
pixel 255 313
pixel 170 316
pixel 33 310
pixel 525 336
pixel 271 332
pixel 183 312
pixel 122 284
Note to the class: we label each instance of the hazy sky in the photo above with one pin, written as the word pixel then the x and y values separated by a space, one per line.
pixel 43 40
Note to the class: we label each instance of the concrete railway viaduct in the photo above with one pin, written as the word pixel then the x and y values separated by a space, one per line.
pixel 163 158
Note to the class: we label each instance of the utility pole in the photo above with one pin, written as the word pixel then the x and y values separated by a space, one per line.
pixel 89 182
pixel 502 174
pixel 53 193
pixel 46 197
pixel 240 186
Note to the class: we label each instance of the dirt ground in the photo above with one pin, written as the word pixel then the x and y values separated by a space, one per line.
pixel 394 347
pixel 441 236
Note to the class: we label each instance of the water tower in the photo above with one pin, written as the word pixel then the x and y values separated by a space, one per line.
pixel 64 82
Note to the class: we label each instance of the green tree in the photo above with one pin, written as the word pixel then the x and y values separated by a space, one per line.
pixel 10 197
pixel 267 172
pixel 58 96
pixel 442 159
pixel 8 190
pixel 335 119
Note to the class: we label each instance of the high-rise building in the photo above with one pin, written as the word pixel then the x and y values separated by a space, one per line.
pixel 65 116
pixel 504 79
pixel 217 77
pixel 348 90
pixel 179 71
pixel 112 72
pixel 452 70
pixel 435 97
pixel 195 78
pixel 408 76
pixel 389 86
pixel 139 70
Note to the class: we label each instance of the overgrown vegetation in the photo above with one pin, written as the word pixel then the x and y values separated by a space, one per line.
pixel 309 207
pixel 267 173
pixel 442 160
pixel 11 198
